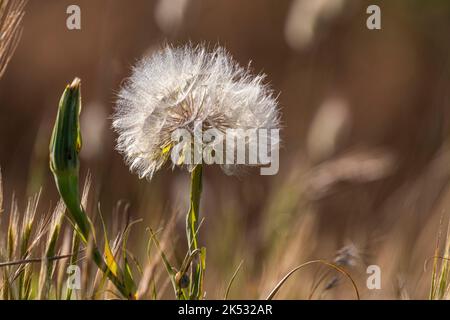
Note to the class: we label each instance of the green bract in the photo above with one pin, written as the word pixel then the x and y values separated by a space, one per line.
pixel 65 146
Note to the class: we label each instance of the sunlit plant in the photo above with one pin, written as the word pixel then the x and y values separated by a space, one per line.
pixel 65 146
pixel 11 16
pixel 191 89
pixel 186 88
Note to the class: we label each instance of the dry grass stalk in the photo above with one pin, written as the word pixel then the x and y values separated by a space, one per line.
pixel 1 194
pixel 11 15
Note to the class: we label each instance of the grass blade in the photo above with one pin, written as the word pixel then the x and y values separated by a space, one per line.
pixel 227 292
pixel 290 273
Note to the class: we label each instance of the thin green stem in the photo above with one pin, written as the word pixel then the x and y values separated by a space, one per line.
pixel 192 221
pixel 192 217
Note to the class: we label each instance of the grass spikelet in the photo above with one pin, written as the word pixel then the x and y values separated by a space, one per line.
pixel 440 278
pixel 11 243
pixel 26 233
pixel 62 265
pixel 47 266
pixel 1 195
pixel 27 224
pixel 13 227
pixel 11 15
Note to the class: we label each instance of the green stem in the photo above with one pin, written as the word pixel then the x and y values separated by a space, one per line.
pixel 192 222
pixel 68 189
pixel 193 213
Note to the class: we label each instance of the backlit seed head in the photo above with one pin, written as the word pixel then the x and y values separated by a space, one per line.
pixel 176 88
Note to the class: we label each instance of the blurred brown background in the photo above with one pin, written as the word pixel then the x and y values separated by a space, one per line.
pixel 365 114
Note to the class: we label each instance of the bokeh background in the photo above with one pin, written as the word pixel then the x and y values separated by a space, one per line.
pixel 364 166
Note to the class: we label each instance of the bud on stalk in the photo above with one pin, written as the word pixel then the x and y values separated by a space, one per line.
pixel 65 146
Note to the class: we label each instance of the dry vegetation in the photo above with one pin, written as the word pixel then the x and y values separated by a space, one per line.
pixel 11 15
pixel 364 177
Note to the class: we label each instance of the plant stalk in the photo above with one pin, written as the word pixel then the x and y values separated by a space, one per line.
pixel 192 217
pixel 64 162
pixel 192 224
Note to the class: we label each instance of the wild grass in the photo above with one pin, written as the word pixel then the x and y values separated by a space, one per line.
pixel 440 281
pixel 70 250
pixel 37 248
pixel 11 15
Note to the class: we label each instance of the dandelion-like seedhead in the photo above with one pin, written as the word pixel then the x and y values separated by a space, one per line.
pixel 180 88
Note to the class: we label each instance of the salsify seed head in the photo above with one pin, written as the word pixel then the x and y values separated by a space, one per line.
pixel 178 87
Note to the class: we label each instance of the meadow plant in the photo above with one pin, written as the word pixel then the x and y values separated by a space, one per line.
pixel 187 88
pixel 11 15
pixel 176 88
pixel 195 106
pixel 196 91
pixel 64 162
pixel 190 89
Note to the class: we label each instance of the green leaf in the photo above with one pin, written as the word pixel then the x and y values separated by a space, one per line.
pixel 107 252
